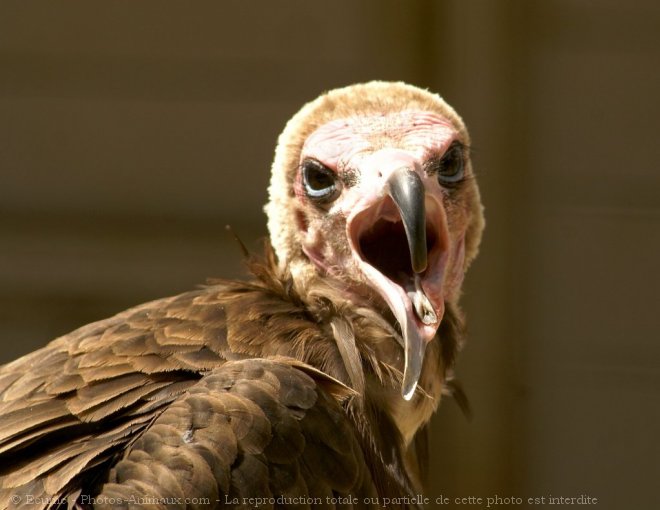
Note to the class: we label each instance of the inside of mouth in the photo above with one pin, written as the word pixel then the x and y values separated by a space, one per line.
pixel 385 246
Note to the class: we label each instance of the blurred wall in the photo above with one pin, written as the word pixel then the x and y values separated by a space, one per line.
pixel 132 133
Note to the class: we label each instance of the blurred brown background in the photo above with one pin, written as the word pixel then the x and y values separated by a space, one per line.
pixel 132 132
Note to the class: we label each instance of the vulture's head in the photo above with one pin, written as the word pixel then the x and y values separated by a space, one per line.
pixel 372 187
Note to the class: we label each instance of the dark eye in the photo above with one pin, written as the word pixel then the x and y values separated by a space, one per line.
pixel 320 182
pixel 451 168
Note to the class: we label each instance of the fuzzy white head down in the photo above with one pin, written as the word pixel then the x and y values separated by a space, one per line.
pixel 355 100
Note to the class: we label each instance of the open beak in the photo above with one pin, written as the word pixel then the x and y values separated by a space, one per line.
pixel 399 240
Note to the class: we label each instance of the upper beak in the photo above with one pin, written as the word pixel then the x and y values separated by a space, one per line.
pixel 407 191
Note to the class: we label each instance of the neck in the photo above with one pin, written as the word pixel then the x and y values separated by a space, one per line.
pixel 354 343
pixel 310 320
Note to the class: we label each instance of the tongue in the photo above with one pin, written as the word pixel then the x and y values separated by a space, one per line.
pixel 422 304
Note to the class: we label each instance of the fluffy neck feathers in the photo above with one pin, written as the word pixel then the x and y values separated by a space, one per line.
pixel 309 319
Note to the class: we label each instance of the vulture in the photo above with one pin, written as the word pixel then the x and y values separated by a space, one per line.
pixel 311 383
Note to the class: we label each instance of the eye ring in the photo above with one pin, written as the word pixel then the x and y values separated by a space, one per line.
pixel 451 169
pixel 319 182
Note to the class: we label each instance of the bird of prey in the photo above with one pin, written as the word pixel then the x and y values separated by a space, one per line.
pixel 308 385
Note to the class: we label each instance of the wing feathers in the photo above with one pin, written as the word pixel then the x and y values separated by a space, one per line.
pixel 165 388
pixel 95 394
pixel 29 416
pixel 250 428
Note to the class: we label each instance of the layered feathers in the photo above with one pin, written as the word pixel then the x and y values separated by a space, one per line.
pixel 119 408
pixel 285 386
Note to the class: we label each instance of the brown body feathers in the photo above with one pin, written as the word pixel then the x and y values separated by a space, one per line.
pixel 233 391
pixel 310 385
